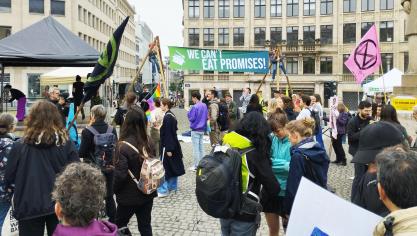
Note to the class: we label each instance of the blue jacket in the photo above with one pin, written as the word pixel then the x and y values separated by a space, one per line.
pixel 317 155
pixel 198 116
pixel 280 158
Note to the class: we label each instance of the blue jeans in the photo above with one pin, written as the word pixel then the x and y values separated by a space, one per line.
pixel 170 184
pixel 198 146
pixel 232 227
pixel 4 208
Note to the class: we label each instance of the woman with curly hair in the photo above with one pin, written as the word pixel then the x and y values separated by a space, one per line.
pixel 34 162
pixel 79 193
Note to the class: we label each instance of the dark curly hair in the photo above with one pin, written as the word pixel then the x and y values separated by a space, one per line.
pixel 80 191
pixel 254 127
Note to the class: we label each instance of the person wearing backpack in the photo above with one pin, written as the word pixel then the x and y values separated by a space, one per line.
pixel 97 146
pixel 213 110
pixel 34 162
pixel 308 159
pixel 170 151
pixel 223 120
pixel 7 138
pixel 280 158
pixel 130 100
pixel 251 133
pixel 131 200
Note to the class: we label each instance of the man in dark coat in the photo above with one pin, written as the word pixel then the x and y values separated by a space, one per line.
pixel 170 150
pixel 21 101
pixel 354 127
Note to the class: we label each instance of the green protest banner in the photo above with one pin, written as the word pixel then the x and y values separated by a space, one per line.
pixel 218 60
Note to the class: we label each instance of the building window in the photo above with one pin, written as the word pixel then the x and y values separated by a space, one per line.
pixel 194 8
pixel 276 8
pixel 309 34
pixel 349 33
pixel 406 61
pixel 309 7
pixel 193 37
pixel 224 9
pixel 260 36
pixel 208 9
pixel 349 5
pixel 260 8
pixel 326 34
pixel 5 31
pixel 309 65
pixel 36 6
pixel 326 7
pixel 58 7
pixel 292 65
pixel 387 62
pixel 276 35
pixel 368 5
pixel 345 69
pixel 292 8
pixel 365 26
pixel 5 5
pixel 238 36
pixel 387 4
pixel 239 8
pixel 292 35
pixel 34 85
pixel 386 31
pixel 208 37
pixel 326 65
pixel 223 37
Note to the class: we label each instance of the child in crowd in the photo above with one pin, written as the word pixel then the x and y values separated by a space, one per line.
pixel 79 194
pixel 280 158
pixel 7 127
pixel 308 159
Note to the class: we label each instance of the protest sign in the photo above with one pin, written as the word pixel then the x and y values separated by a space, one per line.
pixel 317 210
pixel 218 60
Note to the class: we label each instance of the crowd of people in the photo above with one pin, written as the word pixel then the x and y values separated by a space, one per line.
pixel 69 190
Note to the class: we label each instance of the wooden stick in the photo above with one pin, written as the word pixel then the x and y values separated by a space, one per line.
pixel 263 80
pixel 162 70
pixel 79 108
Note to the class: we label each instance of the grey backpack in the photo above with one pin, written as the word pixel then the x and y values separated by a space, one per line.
pixel 104 147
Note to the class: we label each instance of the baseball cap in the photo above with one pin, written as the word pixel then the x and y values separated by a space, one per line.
pixel 375 137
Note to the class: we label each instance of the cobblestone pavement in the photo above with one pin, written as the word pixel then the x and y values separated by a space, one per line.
pixel 179 213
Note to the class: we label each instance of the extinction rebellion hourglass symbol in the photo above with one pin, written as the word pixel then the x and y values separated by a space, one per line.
pixel 363 59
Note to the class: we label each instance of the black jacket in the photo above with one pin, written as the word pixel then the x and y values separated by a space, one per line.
pixel 127 193
pixel 253 107
pixel 16 94
pixel 33 169
pixel 291 115
pixel 173 165
pixel 87 146
pixel 354 128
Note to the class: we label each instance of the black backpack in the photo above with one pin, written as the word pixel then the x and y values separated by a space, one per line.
pixel 315 115
pixel 218 185
pixel 223 118
pixel 103 149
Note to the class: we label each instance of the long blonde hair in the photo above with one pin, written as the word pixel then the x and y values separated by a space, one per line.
pixel 44 125
pixel 272 106
pixel 303 127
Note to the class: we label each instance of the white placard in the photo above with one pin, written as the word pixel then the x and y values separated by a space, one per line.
pixel 316 207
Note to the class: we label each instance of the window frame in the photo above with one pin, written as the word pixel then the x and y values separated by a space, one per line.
pixel 293 28
pixel 224 8
pixel 195 35
pixel 195 8
pixel 208 33
pixel 240 34
pixel 7 6
pixel 385 31
pixel 367 6
pixel 352 6
pixel 58 13
pixel 328 7
pixel 273 42
pixel 291 65
pixel 293 7
pixel 259 8
pixel 311 7
pixel 310 59
pixel 276 8
pixel 224 36
pixel 345 41
pixel 365 29
pixel 32 9
pixel 323 60
pixel 386 6
pixel 259 36
pixel 309 27
pixel 326 42
pixel 238 8
pixel 208 9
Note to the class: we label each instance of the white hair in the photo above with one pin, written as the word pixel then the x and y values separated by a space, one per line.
pixel 52 89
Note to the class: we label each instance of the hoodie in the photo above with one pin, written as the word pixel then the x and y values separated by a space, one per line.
pixel 317 155
pixel 404 223
pixel 198 117
pixel 280 158
pixel 95 228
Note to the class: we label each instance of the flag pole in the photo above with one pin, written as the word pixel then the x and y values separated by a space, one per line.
pixel 79 108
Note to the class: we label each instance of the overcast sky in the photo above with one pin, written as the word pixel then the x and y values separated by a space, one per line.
pixel 164 17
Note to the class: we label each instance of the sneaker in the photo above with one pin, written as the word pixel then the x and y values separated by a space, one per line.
pixel 162 195
pixel 192 168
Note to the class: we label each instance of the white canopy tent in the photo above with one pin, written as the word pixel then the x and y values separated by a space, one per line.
pixel 385 83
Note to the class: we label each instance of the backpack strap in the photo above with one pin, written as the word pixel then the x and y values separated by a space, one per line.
pixel 133 177
pixel 92 130
pixel 109 129
pixel 145 154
